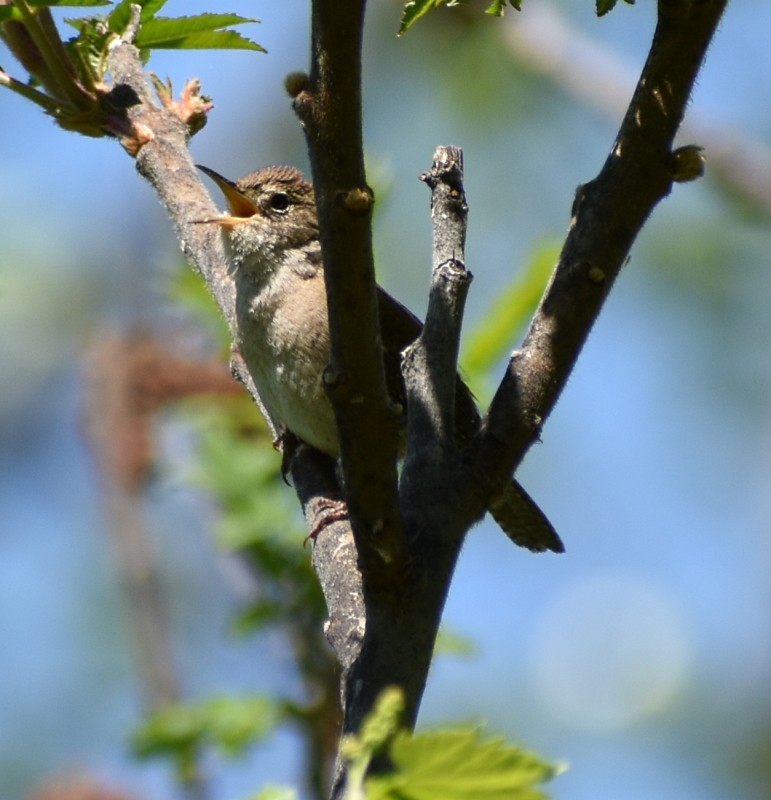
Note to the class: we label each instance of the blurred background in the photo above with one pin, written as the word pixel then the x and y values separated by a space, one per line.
pixel 641 657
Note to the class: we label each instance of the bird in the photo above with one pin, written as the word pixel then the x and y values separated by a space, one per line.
pixel 271 240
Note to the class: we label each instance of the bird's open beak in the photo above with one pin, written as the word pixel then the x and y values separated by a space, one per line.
pixel 241 207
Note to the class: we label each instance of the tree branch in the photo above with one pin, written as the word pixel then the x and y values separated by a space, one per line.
pixel 433 487
pixel 159 138
pixel 608 214
pixel 329 104
pixel 433 360
pixel 385 591
pixel 389 639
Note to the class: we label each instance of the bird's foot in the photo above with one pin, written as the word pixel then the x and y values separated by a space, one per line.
pixel 326 512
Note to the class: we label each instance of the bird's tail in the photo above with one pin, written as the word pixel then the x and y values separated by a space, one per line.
pixel 523 521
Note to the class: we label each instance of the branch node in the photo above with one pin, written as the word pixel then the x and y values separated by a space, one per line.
pixel 686 163
pixel 596 275
pixel 358 201
pixel 296 83
pixel 334 380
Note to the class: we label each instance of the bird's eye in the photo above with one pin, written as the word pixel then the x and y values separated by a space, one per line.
pixel 279 202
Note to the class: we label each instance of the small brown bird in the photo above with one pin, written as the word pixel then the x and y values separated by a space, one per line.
pixel 271 236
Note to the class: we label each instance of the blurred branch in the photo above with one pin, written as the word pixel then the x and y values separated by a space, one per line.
pixel 128 380
pixel 544 42
pixel 608 213
pixel 78 787
pixel 158 138
pixel 157 135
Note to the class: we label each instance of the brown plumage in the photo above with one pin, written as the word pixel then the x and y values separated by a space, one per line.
pixel 271 235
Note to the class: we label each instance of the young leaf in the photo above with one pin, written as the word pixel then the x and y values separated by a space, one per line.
pixel 456 764
pixel 497 7
pixel 415 9
pixel 229 723
pixel 451 643
pixel 120 15
pixel 376 732
pixel 200 32
pixel 67 3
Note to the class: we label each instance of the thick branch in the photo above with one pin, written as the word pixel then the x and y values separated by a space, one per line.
pixel 401 623
pixel 608 214
pixel 329 104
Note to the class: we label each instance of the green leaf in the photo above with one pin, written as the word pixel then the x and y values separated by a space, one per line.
pixel 497 7
pixel 450 643
pixel 150 8
pixel 229 723
pixel 122 12
pixel 450 764
pixel 9 12
pixel 68 3
pixel 491 338
pixel 415 9
pixel 456 764
pixel 242 472
pixel 603 6
pixel 377 730
pixel 199 32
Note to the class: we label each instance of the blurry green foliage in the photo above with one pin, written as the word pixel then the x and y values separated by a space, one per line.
pixel 230 723
pixel 490 339
pixel 415 9
pixel 276 793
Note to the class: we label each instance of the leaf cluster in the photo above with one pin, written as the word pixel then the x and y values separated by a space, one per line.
pixel 415 9
pixel 228 723
pixel 446 764
pixel 67 78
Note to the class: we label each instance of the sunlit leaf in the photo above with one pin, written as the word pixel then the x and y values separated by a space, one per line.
pixel 415 9
pixel 497 7
pixel 457 764
pixel 199 32
pixel 68 3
